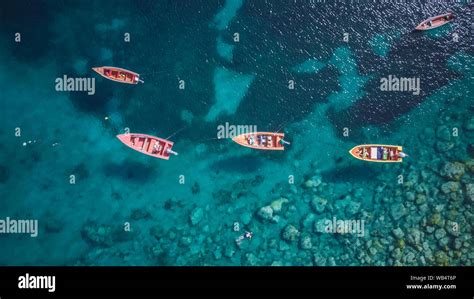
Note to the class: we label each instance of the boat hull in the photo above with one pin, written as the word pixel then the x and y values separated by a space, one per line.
pixel 374 153
pixel 118 74
pixel 436 22
pixel 147 144
pixel 261 140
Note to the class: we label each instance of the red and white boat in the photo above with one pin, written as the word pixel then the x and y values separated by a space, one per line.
pixel 118 74
pixel 435 22
pixel 148 145
pixel 262 140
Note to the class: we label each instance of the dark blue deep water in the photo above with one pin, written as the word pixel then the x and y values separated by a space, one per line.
pixel 98 202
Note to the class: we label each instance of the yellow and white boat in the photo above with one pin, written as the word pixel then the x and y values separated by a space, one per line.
pixel 381 153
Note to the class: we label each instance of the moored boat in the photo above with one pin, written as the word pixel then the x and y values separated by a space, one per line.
pixel 118 74
pixel 148 145
pixel 435 22
pixel 262 140
pixel 378 153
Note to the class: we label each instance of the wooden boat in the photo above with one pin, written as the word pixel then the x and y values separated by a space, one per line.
pixel 148 145
pixel 435 22
pixel 378 153
pixel 118 74
pixel 262 141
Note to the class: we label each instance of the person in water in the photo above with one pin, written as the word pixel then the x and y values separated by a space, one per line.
pixel 283 142
pixel 402 155
pixel 248 235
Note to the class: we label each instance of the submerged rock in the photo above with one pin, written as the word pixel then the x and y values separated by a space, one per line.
pixel 415 237
pixel 313 182
pixel 444 146
pixel 283 246
pixel 440 233
pixel 331 261
pixel 457 243
pixel 443 133
pixel 217 253
pixel 396 254
pixel 470 192
pixel 308 220
pixel 246 217
pixel 372 251
pixel 420 199
pixel 99 235
pixel 441 258
pixel 229 252
pixel 195 188
pixel 410 196
pixel 429 229
pixel 353 208
pixel 185 241
pixel 398 233
pixel 257 180
pixel 319 260
pixel 428 135
pixel 305 242
pixel 290 233
pixel 470 165
pixel 138 214
pixel 443 242
pixel 319 226
pixel 276 264
pixel 172 203
pixel 397 211
pixel 435 219
pixel 252 260
pixel 450 187
pixel 157 232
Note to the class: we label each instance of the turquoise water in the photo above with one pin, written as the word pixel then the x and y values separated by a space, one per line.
pixel 129 209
